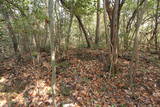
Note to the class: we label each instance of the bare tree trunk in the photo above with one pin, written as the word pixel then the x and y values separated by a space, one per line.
pixel 114 36
pixel 84 31
pixel 80 23
pixel 108 61
pixel 135 55
pixel 98 23
pixel 46 34
pixel 114 16
pixel 10 28
pixel 129 24
pixel 105 25
pixel 156 26
pixel 53 48
pixel 69 31
pixel 80 36
pixel 131 19
pixel 25 42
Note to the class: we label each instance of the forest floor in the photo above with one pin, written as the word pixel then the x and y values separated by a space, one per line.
pixel 81 81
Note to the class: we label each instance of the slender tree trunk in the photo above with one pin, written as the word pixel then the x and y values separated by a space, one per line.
pixel 46 34
pixel 105 25
pixel 80 23
pixel 84 31
pixel 10 29
pixel 81 41
pixel 12 34
pixel 98 23
pixel 53 48
pixel 69 31
pixel 129 24
pixel 135 55
pixel 114 36
pixel 156 26
pixel 114 16
pixel 25 40
pixel 131 19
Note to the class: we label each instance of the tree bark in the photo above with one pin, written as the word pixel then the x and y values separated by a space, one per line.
pixel 98 23
pixel 10 28
pixel 84 31
pixel 156 26
pixel 105 25
pixel 135 55
pixel 69 31
pixel 114 16
pixel 53 48
pixel 114 36
pixel 80 23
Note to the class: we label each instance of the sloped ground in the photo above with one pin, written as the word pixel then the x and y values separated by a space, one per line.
pixel 81 82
